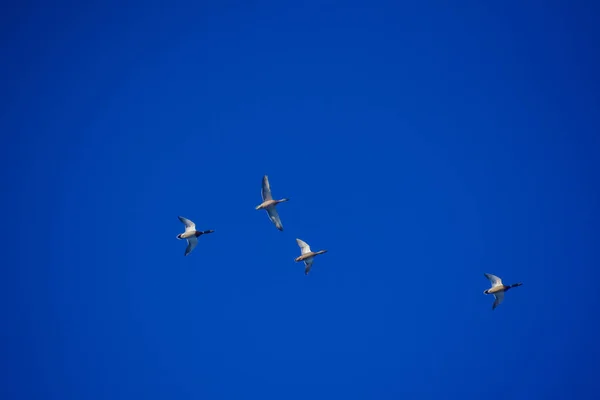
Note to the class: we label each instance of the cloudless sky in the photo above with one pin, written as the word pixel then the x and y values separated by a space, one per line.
pixel 421 143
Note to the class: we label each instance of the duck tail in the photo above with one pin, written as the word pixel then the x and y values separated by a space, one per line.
pixel 179 236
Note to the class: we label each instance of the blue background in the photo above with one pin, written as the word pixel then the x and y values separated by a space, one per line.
pixel 422 144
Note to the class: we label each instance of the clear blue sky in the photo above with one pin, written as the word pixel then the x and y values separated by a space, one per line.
pixel 422 144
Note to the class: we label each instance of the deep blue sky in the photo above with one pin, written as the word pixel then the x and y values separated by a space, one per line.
pixel 422 144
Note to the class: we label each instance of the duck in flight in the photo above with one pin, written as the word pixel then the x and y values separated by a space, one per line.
pixel 190 234
pixel 307 255
pixel 269 204
pixel 498 289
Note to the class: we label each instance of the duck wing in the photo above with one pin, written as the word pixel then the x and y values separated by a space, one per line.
pixel 189 225
pixel 307 266
pixel 274 217
pixel 266 189
pixel 494 280
pixel 304 247
pixel 499 296
pixel 192 243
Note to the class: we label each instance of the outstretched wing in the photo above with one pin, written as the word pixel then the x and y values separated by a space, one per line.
pixel 274 216
pixel 307 266
pixel 304 247
pixel 494 280
pixel 499 296
pixel 189 225
pixel 266 189
pixel 192 243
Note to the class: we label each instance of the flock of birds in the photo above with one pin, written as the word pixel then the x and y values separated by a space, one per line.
pixel 191 234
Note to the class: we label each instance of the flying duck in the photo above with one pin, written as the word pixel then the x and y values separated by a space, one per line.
pixel 307 255
pixel 498 289
pixel 269 204
pixel 190 234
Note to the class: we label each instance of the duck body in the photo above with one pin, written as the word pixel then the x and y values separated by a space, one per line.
pixel 190 234
pixel 503 288
pixel 307 255
pixel 269 203
pixel 498 289
pixel 187 235
pixel 265 205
